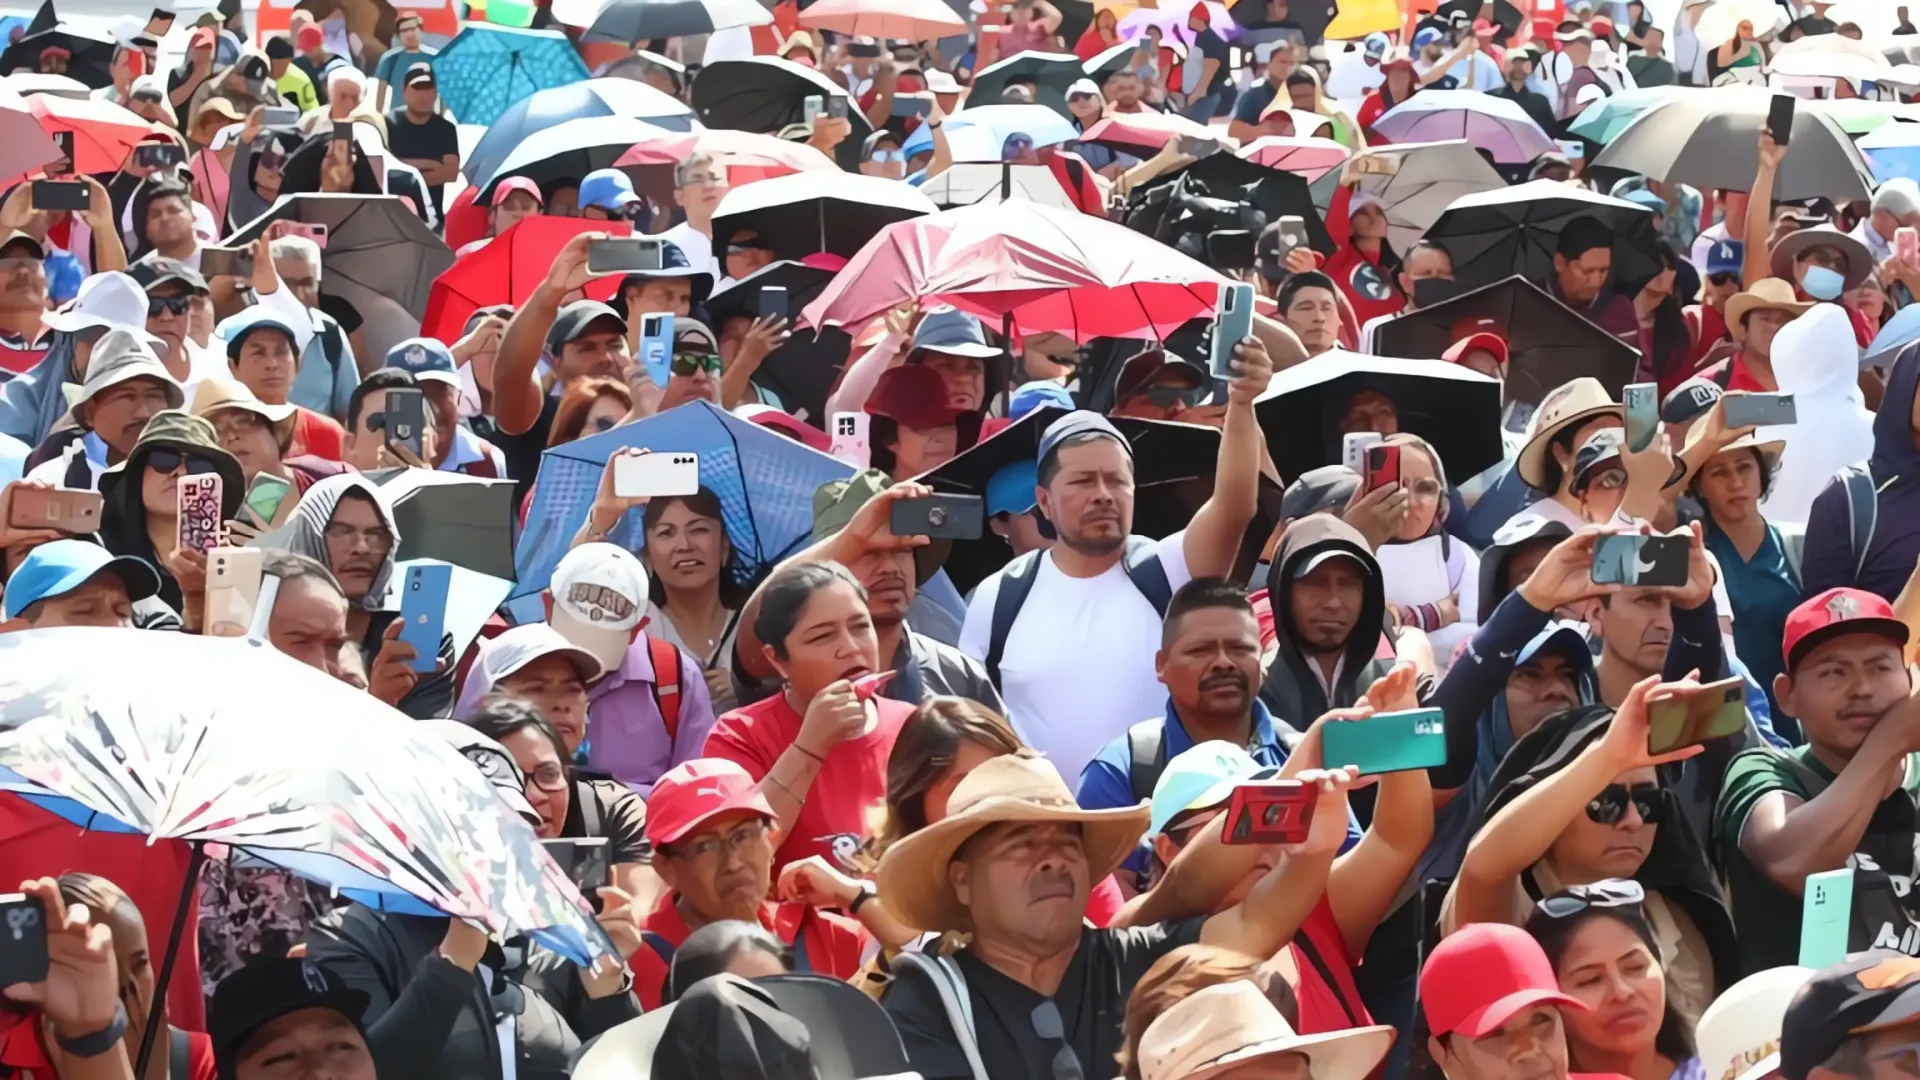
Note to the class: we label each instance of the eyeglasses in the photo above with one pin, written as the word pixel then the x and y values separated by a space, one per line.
pixel 1048 1025
pixel 691 363
pixel 171 305
pixel 549 777
pixel 377 539
pixel 701 178
pixel 713 846
pixel 1426 489
pixel 1610 806
pixel 165 461
pixel 1612 893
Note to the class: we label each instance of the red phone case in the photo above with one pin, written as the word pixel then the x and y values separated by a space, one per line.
pixel 1269 812
pixel 1383 466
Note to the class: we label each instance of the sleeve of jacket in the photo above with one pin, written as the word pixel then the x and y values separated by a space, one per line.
pixel 406 1032
pixel 557 979
pixel 1696 645
pixel 1479 674
pixel 1827 560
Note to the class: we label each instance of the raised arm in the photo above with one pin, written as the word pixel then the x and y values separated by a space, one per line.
pixel 1759 223
pixel 517 393
pixel 1213 536
pixel 1280 901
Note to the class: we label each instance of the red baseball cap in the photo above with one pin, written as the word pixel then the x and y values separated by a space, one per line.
pixel 309 36
pixel 516 183
pixel 1836 612
pixel 1483 976
pixel 695 792
pixel 1493 343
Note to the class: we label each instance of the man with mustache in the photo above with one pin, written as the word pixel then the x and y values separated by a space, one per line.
pixel 1329 618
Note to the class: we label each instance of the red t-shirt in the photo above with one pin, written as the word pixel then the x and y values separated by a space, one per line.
pixel 853 781
pixel 834 945
pixel 1325 1006
pixel 1366 286
pixel 321 436
pixel 1733 374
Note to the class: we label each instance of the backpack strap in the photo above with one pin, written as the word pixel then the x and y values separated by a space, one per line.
pixel 1016 581
pixel 951 984
pixel 1146 756
pixel 1305 944
pixel 1863 511
pixel 1142 564
pixel 179 1055
pixel 589 810
pixel 666 683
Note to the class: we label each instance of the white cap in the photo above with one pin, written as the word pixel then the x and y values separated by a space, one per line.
pixel 1739 1034
pixel 599 596
pixel 1083 86
pixel 513 650
pixel 1899 196
pixel 105 300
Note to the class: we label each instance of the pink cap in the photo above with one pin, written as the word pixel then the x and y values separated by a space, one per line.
pixel 516 183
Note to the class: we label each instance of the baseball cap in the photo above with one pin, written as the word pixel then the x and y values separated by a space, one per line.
pixel 1600 448
pixel 1308 564
pixel 1036 395
pixel 694 792
pixel 1571 635
pixel 1010 488
pixel 1643 197
pixel 419 74
pixel 952 331
pixel 310 37
pixel 1726 257
pixel 426 359
pixel 512 184
pixel 493 761
pixel 18 238
pixel 1899 196
pixel 1139 370
pixel 1083 87
pixel 578 319
pixel 1876 989
pixel 277 47
pixel 1078 422
pixel 1491 342
pixel 61 566
pixel 1376 45
pixel 105 300
pixel 1739 1034
pixel 201 38
pixel 158 270
pixel 1484 975
pixel 1328 487
pixel 608 189
pixel 599 595
pixel 1833 613
pixel 235 328
pixel 1689 401
pixel 268 988
pixel 1198 777
pixel 1428 36
pixel 914 396
pixel 940 82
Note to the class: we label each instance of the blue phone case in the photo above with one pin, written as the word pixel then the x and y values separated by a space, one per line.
pixel 1232 323
pixel 423 612
pixel 1389 742
pixel 656 349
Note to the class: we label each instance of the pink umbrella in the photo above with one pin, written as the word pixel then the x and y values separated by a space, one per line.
pixel 24 145
pixel 1046 268
pixel 904 20
pixel 1308 156
pixel 1147 133
pixel 747 156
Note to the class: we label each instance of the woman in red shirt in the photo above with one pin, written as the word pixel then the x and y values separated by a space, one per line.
pixel 107 905
pixel 1400 84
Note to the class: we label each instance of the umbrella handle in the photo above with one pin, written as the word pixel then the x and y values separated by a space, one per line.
pixel 149 1036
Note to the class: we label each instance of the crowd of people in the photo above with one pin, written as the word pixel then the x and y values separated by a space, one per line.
pixel 915 605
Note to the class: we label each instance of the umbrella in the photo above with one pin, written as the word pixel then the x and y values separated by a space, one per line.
pixel 374 242
pixel 24 145
pixel 1416 182
pixel 629 22
pixel 1506 16
pixel 967 184
pixel 1109 61
pixel 1147 133
pixel 91 61
pixel 452 517
pixel 1606 118
pixel 1051 73
pixel 802 372
pixel 1899 332
pixel 1712 141
pixel 905 20
pixel 1308 156
pixel 486 69
pixel 1722 20
pixel 507 270
pixel 765 482
pixel 1495 124
pixel 104 134
pixel 740 297
pixel 1860 116
pixel 547 108
pixel 1455 408
pixel 1548 343
pixel 1050 270
pixel 1496 234
pixel 811 212
pixel 571 149
pixel 1892 150
pixel 1358 18
pixel 32 82
pixel 747 156
pixel 1830 56
pixel 759 93
pixel 978 134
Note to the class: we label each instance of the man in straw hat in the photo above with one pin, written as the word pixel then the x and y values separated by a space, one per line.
pixel 1755 316
pixel 1012 864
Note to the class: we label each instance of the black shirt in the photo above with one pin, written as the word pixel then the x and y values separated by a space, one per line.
pixel 1213 47
pixel 617 813
pixel 1092 1000
pixel 1534 104
pixel 431 141
pixel 522 451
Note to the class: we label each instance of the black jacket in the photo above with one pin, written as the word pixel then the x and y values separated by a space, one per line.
pixel 1292 690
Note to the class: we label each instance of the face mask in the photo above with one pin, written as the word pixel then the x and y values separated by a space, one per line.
pixel 1822 283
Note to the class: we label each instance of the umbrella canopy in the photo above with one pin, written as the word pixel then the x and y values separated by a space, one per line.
pixel 24 145
pixel 1712 141
pixel 905 20
pixel 629 22
pixel 765 482
pixel 1416 182
pixel 1859 116
pixel 1051 73
pixel 811 212
pixel 967 184
pixel 329 784
pixel 1722 20
pixel 548 108
pixel 740 297
pixel 1892 150
pixel 452 517
pixel 1548 343
pixel 374 242
pixel 507 270
pixel 1147 133
pixel 1453 407
pixel 1358 18
pixel 1308 156
pixel 90 62
pixel 1109 61
pixel 1831 56
pixel 1603 120
pixel 1496 234
pixel 32 82
pixel 104 134
pixel 571 149
pixel 759 93
pixel 1496 124
pixel 486 69
pixel 978 134
pixel 1171 20
pixel 747 156
pixel 1051 270
pixel 1899 332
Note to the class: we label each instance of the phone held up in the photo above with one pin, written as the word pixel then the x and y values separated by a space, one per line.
pixel 1269 812
pixel 1641 561
pixel 1232 323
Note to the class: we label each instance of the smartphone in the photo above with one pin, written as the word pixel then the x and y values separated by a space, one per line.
pixel 61 195
pixel 1641 561
pixel 405 420
pixel 1826 917
pixel 863 50
pixel 868 687
pixel 423 612
pixel 1269 812
pixel 1387 742
pixel 1754 410
pixel 1780 118
pixel 279 116
pixel 1232 323
pixel 656 475
pixel 200 522
pixel 587 862
pixel 66 509
pixel 1906 243
pixel 623 255
pixel 1354 446
pixel 1232 249
pixel 836 107
pixel 161 155
pixel 1714 711
pixel 1383 466
pixel 226 262
pixel 264 496
pixel 850 439
pixel 656 346
pixel 943 517
pixel 811 107
pixel 1643 414
pixel 343 131
pixel 233 590
pixel 23 940
pixel 64 140
pixel 772 302
pixel 1293 232
pixel 315 233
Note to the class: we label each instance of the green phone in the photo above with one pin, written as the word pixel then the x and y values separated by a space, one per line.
pixel 1389 742
pixel 1826 915
pixel 265 494
pixel 1714 711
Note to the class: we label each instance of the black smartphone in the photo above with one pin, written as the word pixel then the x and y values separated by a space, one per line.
pixel 226 262
pixel 1230 249
pixel 64 140
pixel 23 940
pixel 942 517
pixel 162 155
pixel 406 420
pixel 61 195
pixel 1755 410
pixel 585 862
pixel 863 50
pixel 1780 118
pixel 624 255
pixel 342 131
pixel 772 302
pixel 837 107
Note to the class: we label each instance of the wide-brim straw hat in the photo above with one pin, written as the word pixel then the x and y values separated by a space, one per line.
pixel 1573 403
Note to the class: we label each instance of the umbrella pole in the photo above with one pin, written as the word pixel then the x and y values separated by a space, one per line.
pixel 1013 356
pixel 1006 192
pixel 179 929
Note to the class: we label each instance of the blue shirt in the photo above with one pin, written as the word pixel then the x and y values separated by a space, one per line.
pixel 1253 101
pixel 393 65
pixel 1763 593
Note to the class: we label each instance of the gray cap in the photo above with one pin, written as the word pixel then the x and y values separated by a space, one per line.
pixel 952 331
pixel 120 355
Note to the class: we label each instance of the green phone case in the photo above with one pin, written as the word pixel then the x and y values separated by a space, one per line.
pixel 1826 915
pixel 1389 742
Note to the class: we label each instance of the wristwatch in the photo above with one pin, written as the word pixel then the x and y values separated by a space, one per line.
pixel 100 1042
pixel 868 890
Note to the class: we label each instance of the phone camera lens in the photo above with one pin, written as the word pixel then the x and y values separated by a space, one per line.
pixel 937 516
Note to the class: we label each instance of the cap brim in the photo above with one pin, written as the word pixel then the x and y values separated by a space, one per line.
pixel 958 348
pixel 605 647
pixel 589 663
pixel 1533 455
pixel 1332 553
pixel 1494 1016
pixel 749 799
pixel 1891 629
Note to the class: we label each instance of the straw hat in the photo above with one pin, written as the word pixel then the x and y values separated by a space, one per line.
pixel 1771 292
pixel 1570 405
pixel 1770 450
pixel 1795 244
pixel 913 872
pixel 1225 1026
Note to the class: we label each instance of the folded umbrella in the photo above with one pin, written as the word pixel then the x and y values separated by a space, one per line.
pixel 548 108
pixel 1455 408
pixel 1496 234
pixel 978 134
pixel 1307 156
pixel 571 149
pixel 1495 124
pixel 507 270
pixel 25 146
pixel 374 242
pixel 904 20
pixel 630 22
pixel 1712 141
pixel 1416 182
pixel 808 213
pixel 104 134
pixel 487 68
pixel 1050 73
pixel 453 518
pixel 90 59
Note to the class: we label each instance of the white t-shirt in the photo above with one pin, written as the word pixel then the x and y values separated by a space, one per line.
pixel 1078 664
pixel 695 245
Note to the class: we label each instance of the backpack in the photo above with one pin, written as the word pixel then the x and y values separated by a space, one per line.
pixel 1141 563
pixel 666 683
pixel 1146 757
pixel 1863 510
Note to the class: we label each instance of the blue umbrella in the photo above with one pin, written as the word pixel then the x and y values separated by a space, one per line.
pixel 574 101
pixel 1892 150
pixel 1045 126
pixel 1899 332
pixel 487 68
pixel 765 482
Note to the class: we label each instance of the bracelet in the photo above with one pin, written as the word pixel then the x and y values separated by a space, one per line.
pixel 868 890
pixel 100 1042
pixel 809 753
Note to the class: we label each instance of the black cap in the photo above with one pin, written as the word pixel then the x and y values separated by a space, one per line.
pixel 576 318
pixel 1858 996
pixel 1140 369
pixel 268 988
pixel 1328 488
pixel 1689 401
pixel 158 270
pixel 418 73
pixel 279 48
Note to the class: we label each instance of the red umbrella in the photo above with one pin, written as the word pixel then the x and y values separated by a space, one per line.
pixel 1147 133
pixel 24 145
pixel 906 20
pixel 747 155
pixel 103 133
pixel 507 270
pixel 1049 269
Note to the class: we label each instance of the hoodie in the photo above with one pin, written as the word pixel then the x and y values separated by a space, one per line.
pixel 244 201
pixel 1816 360
pixel 1293 690
pixel 1829 559
pixel 1424 571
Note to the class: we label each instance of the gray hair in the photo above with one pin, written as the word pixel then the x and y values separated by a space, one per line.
pixel 297 247
pixel 291 566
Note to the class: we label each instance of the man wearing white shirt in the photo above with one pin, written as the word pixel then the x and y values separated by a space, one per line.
pixel 698 185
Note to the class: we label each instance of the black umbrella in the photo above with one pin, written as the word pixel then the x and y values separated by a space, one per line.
pixel 629 22
pixel 811 212
pixel 1496 234
pixel 1106 63
pixel 1051 73
pixel 375 244
pixel 301 173
pixel 1548 343
pixel 765 93
pixel 802 372
pixel 1505 15
pixel 1453 407
pixel 90 58
pixel 1223 191
pixel 742 297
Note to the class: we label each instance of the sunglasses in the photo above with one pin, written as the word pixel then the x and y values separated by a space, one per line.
pixel 692 363
pixel 172 305
pixel 1723 279
pixel 1610 806
pixel 1166 397
pixel 884 156
pixel 1048 1025
pixel 1612 893
pixel 165 461
pixel 275 162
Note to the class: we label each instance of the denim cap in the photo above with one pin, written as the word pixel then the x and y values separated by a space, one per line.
pixel 1726 257
pixel 1010 490
pixel 59 567
pixel 608 189
pixel 952 331
pixel 1200 776
pixel 1036 395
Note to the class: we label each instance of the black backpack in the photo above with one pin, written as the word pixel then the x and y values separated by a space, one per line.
pixel 1141 563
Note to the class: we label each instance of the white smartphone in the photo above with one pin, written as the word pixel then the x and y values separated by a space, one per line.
pixel 233 590
pixel 653 476
pixel 1353 448
pixel 850 439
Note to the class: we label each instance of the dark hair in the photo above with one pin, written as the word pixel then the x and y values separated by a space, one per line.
pixel 166 187
pixel 1671 338
pixel 1311 279
pixel 290 566
pixel 709 950
pixel 1198 595
pixel 1582 235
pixel 501 714
pixel 1424 245
pixel 881 430
pixel 1674 1040
pixel 1759 459
pixel 378 382
pixel 1564 440
pixel 786 593
pixel 704 502
pixel 923 751
pixel 93 892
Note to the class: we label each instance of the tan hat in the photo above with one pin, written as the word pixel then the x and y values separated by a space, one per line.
pixel 1012 787
pixel 1570 404
pixel 1770 450
pixel 219 392
pixel 1769 292
pixel 1223 1027
pixel 218 106
pixel 1795 244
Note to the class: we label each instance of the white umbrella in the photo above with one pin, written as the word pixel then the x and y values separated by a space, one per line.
pixel 1309 156
pixel 1722 20
pixel 1498 125
pixel 966 184
pixel 1416 182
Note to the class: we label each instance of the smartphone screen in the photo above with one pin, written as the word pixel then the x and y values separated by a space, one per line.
pixel 1643 414
pixel 656 346
pixel 1780 118
pixel 772 302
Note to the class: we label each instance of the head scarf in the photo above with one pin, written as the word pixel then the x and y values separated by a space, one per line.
pixel 306 528
pixel 1816 358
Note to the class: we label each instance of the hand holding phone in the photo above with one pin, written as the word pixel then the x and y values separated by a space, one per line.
pixel 849 430
pixel 1716 710
pixel 71 195
pixel 1383 466
pixel 423 612
pixel 23 940
pixel 1269 812
pixel 1826 917
pixel 1780 118
pixel 233 590
pixel 1232 324
pixel 656 346
pixel 941 517
pixel 1386 742
pixel 200 522
pixel 1906 244
pixel 656 476
pixel 1758 410
pixel 1639 561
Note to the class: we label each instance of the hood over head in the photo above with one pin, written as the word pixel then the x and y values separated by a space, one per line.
pixel 1817 355
pixel 1311 536
pixel 305 532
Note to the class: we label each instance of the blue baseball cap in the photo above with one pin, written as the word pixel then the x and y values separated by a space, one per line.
pixel 1376 44
pixel 426 359
pixel 58 568
pixel 1201 776
pixel 1726 257
pixel 608 189
pixel 1428 36
pixel 1034 395
pixel 952 331
pixel 1079 422
pixel 1643 197
pixel 1010 490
